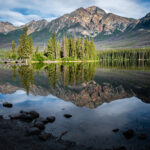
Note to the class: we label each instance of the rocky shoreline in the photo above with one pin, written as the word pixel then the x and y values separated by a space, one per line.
pixel 25 131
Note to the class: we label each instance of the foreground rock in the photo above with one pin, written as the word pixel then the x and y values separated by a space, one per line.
pixel 67 115
pixel 39 124
pixel 51 119
pixel 33 131
pixel 12 137
pixel 25 116
pixel 115 130
pixel 128 134
pixel 45 136
pixel 142 137
pixel 6 104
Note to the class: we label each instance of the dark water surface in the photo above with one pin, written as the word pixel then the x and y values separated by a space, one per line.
pixel 99 97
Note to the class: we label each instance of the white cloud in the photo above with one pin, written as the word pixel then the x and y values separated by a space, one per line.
pixel 50 9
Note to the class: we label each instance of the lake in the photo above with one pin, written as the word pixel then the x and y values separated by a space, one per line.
pixel 99 96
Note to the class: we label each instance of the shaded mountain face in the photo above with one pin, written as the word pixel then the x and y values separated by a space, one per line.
pixel 6 27
pixel 90 22
pixel 144 23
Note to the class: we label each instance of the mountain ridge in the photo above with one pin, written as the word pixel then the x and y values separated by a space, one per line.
pixel 91 22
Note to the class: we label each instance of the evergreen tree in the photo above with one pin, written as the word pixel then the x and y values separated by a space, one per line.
pixel 57 51
pixel 78 42
pixel 86 48
pixel 67 46
pixel 63 47
pixel 37 49
pixel 31 45
pixel 50 49
pixel 13 47
pixel 25 48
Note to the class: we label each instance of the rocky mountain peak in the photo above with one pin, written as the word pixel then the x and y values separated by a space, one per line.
pixel 35 25
pixel 148 15
pixel 6 27
pixel 95 10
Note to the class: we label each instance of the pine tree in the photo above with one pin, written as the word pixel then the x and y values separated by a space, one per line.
pixel 86 48
pixel 24 50
pixel 78 42
pixel 92 51
pixel 57 51
pixel 50 49
pixel 13 47
pixel 31 45
pixel 67 46
pixel 54 44
pixel 37 49
pixel 63 47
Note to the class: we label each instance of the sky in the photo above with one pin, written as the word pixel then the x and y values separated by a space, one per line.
pixel 19 12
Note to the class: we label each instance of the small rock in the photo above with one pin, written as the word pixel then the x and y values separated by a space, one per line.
pixel 128 134
pixel 15 116
pixel 33 131
pixel 51 119
pixel 6 104
pixel 115 130
pixel 43 120
pixel 39 125
pixel 142 137
pixel 67 116
pixel 45 136
pixel 1 117
pixel 120 148
pixel 34 114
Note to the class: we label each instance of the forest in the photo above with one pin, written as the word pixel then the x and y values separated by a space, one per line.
pixel 67 49
pixel 125 54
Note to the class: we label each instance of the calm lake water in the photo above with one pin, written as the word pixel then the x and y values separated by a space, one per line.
pixel 99 96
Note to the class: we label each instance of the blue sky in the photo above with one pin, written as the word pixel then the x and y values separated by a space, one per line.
pixel 20 12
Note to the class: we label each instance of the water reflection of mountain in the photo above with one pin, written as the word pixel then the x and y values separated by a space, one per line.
pixel 77 83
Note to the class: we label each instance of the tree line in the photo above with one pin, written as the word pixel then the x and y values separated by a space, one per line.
pixel 67 48
pixel 127 54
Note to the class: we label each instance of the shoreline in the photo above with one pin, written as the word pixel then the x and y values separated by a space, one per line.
pixel 46 62
pixel 13 135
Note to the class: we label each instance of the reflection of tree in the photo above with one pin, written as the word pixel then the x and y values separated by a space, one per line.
pixel 53 72
pixel 14 70
pixel 70 74
pixel 26 74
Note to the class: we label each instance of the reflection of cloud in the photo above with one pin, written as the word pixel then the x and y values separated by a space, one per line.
pixel 119 106
pixel 20 96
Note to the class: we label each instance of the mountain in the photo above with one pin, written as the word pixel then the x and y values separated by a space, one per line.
pixel 144 23
pixel 6 27
pixel 137 34
pixel 105 28
pixel 34 26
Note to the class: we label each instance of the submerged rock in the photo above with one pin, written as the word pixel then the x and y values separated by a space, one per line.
pixel 142 137
pixel 45 136
pixel 115 130
pixel 39 125
pixel 6 104
pixel 25 116
pixel 120 148
pixel 50 119
pixel 33 131
pixel 128 134
pixel 67 115
pixel 15 116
